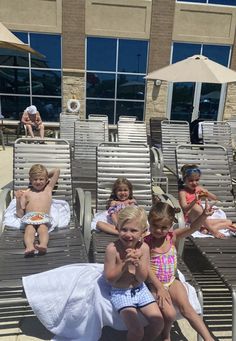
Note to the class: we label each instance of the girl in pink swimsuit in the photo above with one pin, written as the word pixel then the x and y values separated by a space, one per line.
pixel 190 195
pixel 163 280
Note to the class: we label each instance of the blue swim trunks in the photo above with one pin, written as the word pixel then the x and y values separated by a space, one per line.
pixel 137 297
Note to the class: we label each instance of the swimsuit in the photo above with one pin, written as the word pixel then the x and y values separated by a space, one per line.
pixel 189 198
pixel 36 218
pixel 163 265
pixel 116 208
pixel 136 297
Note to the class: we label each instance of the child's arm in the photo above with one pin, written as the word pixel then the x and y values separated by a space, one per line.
pixel 106 227
pixel 204 193
pixel 183 202
pixel 20 203
pixel 141 260
pixel 53 177
pixel 196 224
pixel 162 295
pixel 112 269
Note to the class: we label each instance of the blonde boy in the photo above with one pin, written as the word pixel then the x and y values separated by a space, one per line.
pixel 33 207
pixel 126 268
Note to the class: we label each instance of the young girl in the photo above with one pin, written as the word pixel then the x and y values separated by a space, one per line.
pixel 121 196
pixel 190 195
pixel 164 283
pixel 126 267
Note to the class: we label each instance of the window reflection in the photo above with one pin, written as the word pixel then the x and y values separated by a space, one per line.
pixel 13 106
pixel 101 54
pixel 130 109
pixel 130 87
pixel 209 101
pixel 101 107
pixel 182 101
pixel 50 46
pixel 13 58
pixel 14 81
pixel 120 57
pixel 100 85
pixel 49 108
pixel 132 56
pixel 217 53
pixel 46 83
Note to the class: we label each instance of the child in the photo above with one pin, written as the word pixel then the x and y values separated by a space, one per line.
pixel 33 207
pixel 190 195
pixel 164 283
pixel 121 196
pixel 126 268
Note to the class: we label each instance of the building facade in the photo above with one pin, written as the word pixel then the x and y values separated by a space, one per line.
pixel 100 51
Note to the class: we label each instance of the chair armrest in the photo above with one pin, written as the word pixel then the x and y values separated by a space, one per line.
pixel 79 205
pixel 5 199
pixel 87 219
pixel 157 160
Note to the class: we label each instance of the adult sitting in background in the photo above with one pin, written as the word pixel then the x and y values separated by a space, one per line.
pixel 32 120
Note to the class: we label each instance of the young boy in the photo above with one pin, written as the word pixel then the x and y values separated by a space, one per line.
pixel 126 268
pixel 33 207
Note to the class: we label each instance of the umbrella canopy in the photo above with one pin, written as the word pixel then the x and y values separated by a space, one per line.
pixel 194 69
pixel 9 41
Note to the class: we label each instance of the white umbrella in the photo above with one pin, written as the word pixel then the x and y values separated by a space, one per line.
pixel 9 41
pixel 194 69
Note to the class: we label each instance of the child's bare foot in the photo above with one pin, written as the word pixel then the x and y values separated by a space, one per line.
pixel 41 249
pixel 29 252
pixel 218 235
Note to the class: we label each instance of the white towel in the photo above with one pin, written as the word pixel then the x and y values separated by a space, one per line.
pixel 78 308
pixel 100 216
pixel 60 213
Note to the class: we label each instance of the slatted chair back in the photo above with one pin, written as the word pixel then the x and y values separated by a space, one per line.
pixel 88 134
pixel 125 118
pixel 54 153
pixel 215 173
pixel 172 134
pixel 218 132
pixel 67 121
pixel 135 132
pixel 131 161
pixel 155 130
pixel 103 118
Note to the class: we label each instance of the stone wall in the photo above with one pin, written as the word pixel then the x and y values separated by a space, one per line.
pixel 156 100
pixel 74 86
pixel 230 102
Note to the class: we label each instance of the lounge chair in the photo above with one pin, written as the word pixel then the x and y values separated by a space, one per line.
pixel 135 132
pixel 67 121
pixel 213 161
pixel 88 134
pixel 65 246
pixel 103 118
pixel 155 130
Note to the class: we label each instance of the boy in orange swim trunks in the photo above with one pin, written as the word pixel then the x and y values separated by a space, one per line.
pixel 33 207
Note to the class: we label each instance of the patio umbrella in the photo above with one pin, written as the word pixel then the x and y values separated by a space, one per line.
pixel 9 41
pixel 197 68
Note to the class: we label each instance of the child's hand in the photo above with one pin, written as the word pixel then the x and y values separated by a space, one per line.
pixel 19 193
pixel 133 256
pixel 202 194
pixel 208 210
pixel 162 297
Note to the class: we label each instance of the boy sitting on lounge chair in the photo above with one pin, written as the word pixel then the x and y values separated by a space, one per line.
pixel 33 207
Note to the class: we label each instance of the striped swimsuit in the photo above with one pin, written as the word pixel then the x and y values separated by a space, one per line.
pixel 164 265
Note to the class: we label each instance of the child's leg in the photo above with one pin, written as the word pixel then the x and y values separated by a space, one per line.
pixel 179 298
pixel 132 322
pixel 106 227
pixel 43 238
pixel 155 320
pixel 29 237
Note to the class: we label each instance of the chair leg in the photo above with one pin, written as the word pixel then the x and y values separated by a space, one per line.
pixel 2 137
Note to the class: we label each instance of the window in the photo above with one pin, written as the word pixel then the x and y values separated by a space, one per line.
pixel 115 82
pixel 28 79
pixel 194 100
pixel 212 2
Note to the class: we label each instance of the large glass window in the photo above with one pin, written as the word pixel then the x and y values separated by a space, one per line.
pixel 197 100
pixel 215 2
pixel 28 79
pixel 115 77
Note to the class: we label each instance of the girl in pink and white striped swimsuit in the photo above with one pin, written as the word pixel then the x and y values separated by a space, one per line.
pixel 163 280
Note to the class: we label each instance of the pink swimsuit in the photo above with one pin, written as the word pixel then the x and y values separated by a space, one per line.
pixel 189 198
pixel 163 265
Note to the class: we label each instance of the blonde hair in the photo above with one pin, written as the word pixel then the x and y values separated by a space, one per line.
pixel 130 213
pixel 38 169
